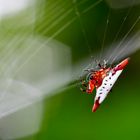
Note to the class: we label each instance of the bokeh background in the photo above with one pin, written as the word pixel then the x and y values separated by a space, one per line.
pixel 45 46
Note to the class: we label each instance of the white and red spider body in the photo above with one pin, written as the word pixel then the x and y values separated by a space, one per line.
pixel 103 80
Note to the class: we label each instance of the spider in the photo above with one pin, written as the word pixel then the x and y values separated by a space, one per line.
pixel 103 78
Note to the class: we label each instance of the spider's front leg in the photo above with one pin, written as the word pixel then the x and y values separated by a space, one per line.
pixel 83 90
pixel 84 83
pixel 98 63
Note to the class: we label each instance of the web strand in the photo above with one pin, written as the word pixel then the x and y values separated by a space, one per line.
pixel 104 36
pixel 121 26
pixel 82 26
pixel 132 27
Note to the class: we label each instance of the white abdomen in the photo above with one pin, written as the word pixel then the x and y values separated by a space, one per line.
pixel 106 86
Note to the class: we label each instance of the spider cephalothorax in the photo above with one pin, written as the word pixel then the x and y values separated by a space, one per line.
pixel 95 77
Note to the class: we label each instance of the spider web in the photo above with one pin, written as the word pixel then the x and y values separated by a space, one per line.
pixel 118 49
pixel 26 37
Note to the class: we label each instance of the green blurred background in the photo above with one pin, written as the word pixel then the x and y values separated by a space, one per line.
pixel 82 24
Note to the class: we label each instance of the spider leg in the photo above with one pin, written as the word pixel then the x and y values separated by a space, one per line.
pixel 105 63
pixel 98 63
pixel 83 90
pixel 84 84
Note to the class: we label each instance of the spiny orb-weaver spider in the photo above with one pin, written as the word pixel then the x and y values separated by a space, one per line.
pixel 103 80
